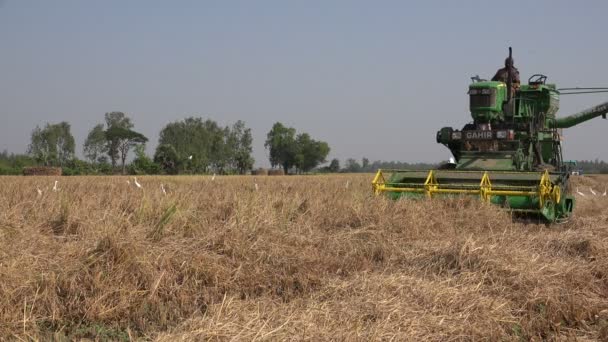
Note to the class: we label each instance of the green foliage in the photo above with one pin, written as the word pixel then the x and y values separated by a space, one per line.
pixel 13 164
pixel 96 145
pixel 352 165
pixel 334 166
pixel 190 137
pixel 281 145
pixel 195 145
pixel 116 120
pixel 157 233
pixel 592 166
pixel 288 150
pixel 239 141
pixel 309 152
pixel 123 139
pixel 167 159
pixel 52 145
pixel 364 163
pixel 142 164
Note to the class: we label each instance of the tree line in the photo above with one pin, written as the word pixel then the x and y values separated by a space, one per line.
pixel 592 166
pixel 189 146
pixel 352 165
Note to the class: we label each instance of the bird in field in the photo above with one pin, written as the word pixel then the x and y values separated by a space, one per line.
pixel 592 192
pixel 55 186
pixel 347 184
pixel 162 188
pixel 190 158
pixel 128 182
pixel 604 194
pixel 136 182
pixel 213 177
pixel 580 193
pixel 39 191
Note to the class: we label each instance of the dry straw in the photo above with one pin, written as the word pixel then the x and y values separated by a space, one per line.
pixel 301 259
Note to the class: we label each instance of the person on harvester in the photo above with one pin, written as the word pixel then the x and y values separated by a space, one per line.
pixel 502 74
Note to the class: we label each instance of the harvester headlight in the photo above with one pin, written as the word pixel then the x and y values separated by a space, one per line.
pixel 486 91
pixel 456 135
pixel 501 134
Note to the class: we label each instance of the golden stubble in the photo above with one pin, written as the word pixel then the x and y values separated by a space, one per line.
pixel 300 258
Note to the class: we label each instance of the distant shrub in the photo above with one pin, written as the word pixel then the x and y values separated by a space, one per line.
pixel 42 171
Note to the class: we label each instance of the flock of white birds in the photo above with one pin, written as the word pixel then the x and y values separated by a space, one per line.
pixel 593 192
pixel 255 185
pixel 138 185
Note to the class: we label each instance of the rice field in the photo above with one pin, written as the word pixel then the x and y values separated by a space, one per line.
pixel 290 258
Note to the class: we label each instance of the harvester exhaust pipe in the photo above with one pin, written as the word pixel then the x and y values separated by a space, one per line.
pixel 509 77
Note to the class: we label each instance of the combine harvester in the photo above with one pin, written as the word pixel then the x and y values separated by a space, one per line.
pixel 510 155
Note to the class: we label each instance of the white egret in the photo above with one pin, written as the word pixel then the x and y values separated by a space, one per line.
pixel 190 158
pixel 39 191
pixel 213 177
pixel 162 187
pixel 347 184
pixel 604 194
pixel 592 192
pixel 55 186
pixel 580 193
pixel 136 182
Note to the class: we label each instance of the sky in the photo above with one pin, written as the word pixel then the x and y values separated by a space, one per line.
pixel 374 79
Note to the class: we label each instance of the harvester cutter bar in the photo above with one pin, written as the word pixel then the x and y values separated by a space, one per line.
pixel 541 185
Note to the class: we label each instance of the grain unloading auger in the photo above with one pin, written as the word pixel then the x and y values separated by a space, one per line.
pixel 510 155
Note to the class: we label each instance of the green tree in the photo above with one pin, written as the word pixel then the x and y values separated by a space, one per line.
pixel 116 120
pixel 52 145
pixel 364 164
pixel 239 141
pixel 142 164
pixel 167 158
pixel 334 165
pixel 198 144
pixel 96 145
pixel 352 165
pixel 123 139
pixel 202 145
pixel 282 147
pixel 310 153
pixel 219 152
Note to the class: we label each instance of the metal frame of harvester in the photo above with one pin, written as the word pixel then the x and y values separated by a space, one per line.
pixel 510 155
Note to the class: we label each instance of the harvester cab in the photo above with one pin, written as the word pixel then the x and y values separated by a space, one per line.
pixel 509 155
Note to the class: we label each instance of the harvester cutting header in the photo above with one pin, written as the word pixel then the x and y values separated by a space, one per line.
pixel 511 153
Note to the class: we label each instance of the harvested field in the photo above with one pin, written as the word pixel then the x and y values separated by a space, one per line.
pixel 301 258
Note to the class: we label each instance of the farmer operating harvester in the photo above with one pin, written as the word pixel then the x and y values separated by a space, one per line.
pixel 510 155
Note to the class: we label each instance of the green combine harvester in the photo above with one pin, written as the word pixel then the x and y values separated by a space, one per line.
pixel 510 155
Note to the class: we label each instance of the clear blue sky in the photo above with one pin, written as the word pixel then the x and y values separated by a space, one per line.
pixel 374 79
